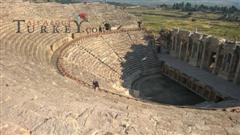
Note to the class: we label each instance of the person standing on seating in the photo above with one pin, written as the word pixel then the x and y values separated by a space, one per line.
pixel 95 85
pixel 139 24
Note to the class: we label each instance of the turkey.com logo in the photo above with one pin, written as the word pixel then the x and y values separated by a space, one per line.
pixel 71 25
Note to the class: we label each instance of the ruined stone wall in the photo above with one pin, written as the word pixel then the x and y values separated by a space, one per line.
pixel 215 55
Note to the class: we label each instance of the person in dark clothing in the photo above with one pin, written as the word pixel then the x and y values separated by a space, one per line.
pixel 72 35
pixel 100 29
pixel 95 85
pixel 139 24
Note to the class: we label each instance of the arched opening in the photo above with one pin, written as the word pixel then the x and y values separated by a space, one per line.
pixel 107 26
pixel 229 58
pixel 212 61
pixel 174 42
pixel 183 49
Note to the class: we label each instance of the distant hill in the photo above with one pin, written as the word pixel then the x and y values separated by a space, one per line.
pixel 236 3
pixel 155 2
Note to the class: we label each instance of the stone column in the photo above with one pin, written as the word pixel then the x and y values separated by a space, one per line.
pixel 227 64
pixel 217 58
pixel 180 49
pixel 231 63
pixel 193 45
pixel 223 67
pixel 175 46
pixel 173 42
pixel 187 53
pixel 237 74
pixel 203 55
pixel 172 49
pixel 198 52
pixel 174 52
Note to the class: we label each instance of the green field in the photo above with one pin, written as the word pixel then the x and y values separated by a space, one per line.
pixel 203 22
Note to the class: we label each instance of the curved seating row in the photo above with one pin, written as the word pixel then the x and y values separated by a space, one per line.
pixel 97 55
pixel 105 56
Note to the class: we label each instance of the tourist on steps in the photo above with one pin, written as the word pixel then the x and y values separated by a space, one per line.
pixel 139 24
pixel 95 85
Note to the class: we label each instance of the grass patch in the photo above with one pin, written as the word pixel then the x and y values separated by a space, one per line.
pixel 208 23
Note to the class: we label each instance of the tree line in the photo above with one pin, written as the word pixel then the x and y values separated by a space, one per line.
pixel 190 7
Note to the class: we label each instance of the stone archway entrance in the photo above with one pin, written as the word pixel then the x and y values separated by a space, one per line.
pixel 212 61
pixel 107 26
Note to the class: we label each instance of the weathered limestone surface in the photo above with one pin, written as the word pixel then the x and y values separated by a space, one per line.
pixel 35 99
pixel 43 102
